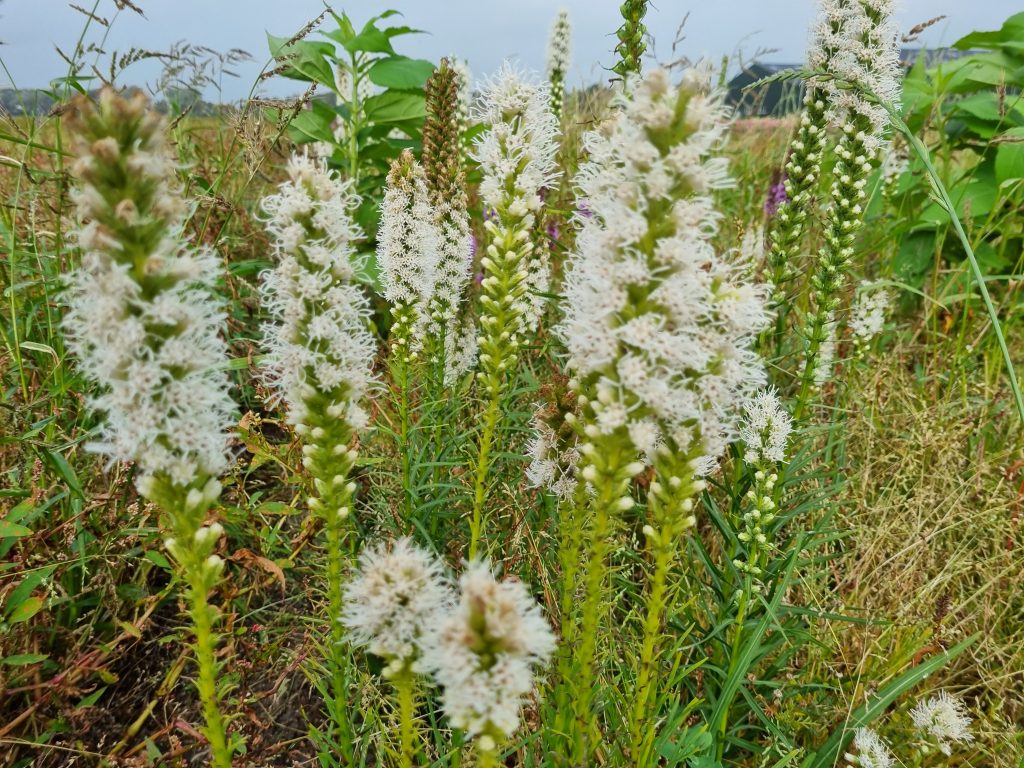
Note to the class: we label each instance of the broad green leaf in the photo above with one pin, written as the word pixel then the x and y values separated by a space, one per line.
pixel 23 659
pixel 369 40
pixel 158 559
pixel 395 107
pixel 25 610
pixel 60 464
pixel 1010 155
pixel 313 124
pixel 91 699
pixel 1012 31
pixel 401 72
pixel 13 530
pixel 27 586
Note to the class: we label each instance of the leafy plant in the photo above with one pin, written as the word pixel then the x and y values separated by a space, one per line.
pixel 379 101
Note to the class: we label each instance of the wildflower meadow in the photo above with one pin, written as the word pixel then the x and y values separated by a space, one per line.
pixel 445 418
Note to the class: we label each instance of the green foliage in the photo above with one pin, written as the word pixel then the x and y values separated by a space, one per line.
pixel 378 107
pixel 969 112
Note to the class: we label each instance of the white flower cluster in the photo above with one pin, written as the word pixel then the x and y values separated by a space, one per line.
pixel 393 601
pixel 857 41
pixel 872 751
pixel 483 648
pixel 485 653
pixel 142 317
pixel 944 719
pixel 659 324
pixel 765 429
pixel 869 313
pixel 319 342
pixel 552 466
pixel 408 241
pixel 517 152
pixel 517 159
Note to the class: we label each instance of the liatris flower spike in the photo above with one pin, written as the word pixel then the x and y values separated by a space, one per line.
pixel 407 252
pixel 452 335
pixel 857 45
pixel 659 329
pixel 485 654
pixel 144 323
pixel 320 356
pixel 517 159
pixel 559 49
pixel 765 434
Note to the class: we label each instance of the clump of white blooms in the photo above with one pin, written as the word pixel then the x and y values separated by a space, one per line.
pixel 142 315
pixel 871 751
pixel 408 244
pixel 485 653
pixel 856 41
pixel 393 600
pixel 657 324
pixel 444 166
pixel 517 160
pixel 765 429
pixel 869 314
pixel 553 460
pixel 559 51
pixel 943 718
pixel 320 347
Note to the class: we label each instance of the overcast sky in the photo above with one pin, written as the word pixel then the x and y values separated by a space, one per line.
pixel 484 32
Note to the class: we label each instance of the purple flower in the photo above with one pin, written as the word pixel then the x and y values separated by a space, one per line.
pixel 776 196
pixel 554 231
pixel 583 209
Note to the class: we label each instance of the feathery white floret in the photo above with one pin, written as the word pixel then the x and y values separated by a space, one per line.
pixel 869 313
pixel 484 654
pixel 393 600
pixel 856 41
pixel 765 429
pixel 662 325
pixel 944 718
pixel 552 466
pixel 142 316
pixel 319 340
pixel 408 241
pixel 872 751
pixel 517 152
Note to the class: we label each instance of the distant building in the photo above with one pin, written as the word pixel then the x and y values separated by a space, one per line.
pixel 784 96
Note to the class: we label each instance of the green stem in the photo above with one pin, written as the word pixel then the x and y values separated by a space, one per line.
pixel 404 445
pixel 642 726
pixel 335 539
pixel 406 704
pixel 609 488
pixel 483 469
pixel 206 642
